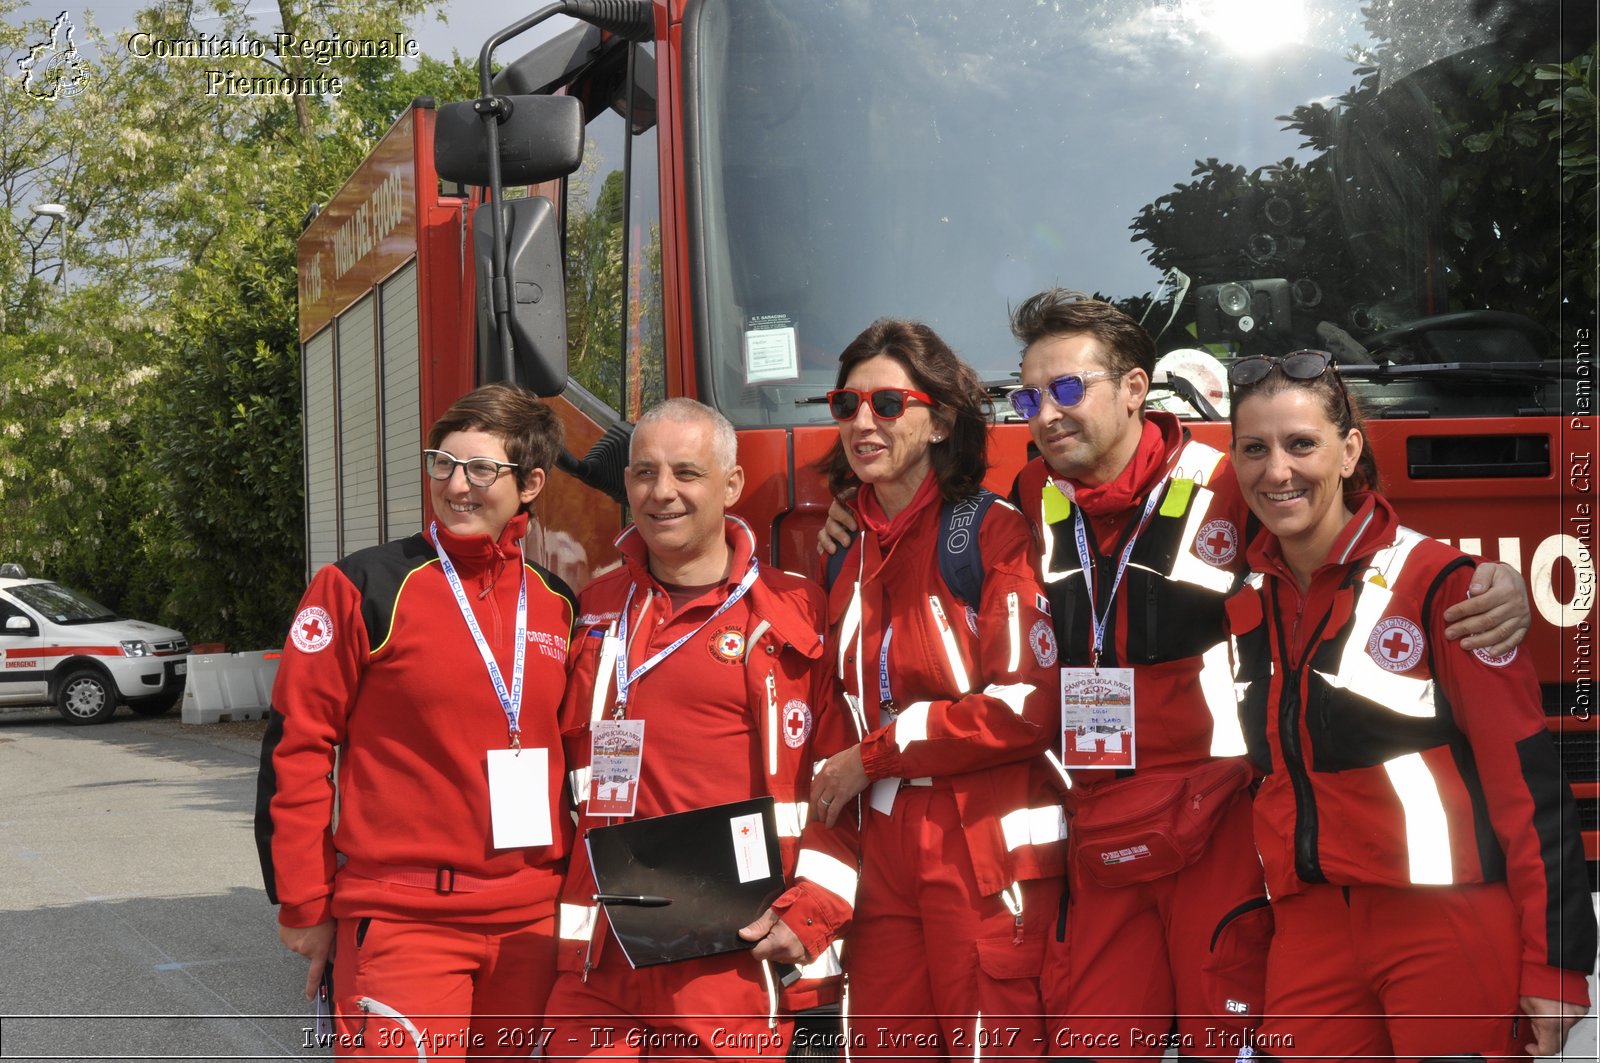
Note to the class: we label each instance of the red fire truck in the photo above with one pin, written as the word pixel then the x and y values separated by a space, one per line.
pixel 711 197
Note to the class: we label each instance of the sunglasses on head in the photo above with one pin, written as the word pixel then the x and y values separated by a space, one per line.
pixel 1064 391
pixel 886 403
pixel 1296 365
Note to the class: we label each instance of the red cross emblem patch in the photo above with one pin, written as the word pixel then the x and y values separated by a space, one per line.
pixel 1217 542
pixel 312 630
pixel 796 723
pixel 1396 644
pixel 727 645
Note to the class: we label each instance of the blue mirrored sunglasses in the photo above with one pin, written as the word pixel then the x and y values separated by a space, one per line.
pixel 1064 391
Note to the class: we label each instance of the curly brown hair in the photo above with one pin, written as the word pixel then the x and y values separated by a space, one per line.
pixel 962 460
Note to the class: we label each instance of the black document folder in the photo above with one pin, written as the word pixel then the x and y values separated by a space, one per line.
pixel 718 868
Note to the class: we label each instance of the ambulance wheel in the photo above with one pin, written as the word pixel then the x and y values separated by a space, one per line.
pixel 86 696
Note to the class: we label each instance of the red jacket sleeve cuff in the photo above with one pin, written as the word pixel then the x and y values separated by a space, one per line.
pixel 879 756
pixel 813 915
pixel 310 913
pixel 1555 983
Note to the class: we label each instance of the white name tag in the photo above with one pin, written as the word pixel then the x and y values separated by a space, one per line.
pixel 750 847
pixel 1097 718
pixel 519 797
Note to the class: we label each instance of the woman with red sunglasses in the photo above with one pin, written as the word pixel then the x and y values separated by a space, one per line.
pixel 955 702
pixel 1420 845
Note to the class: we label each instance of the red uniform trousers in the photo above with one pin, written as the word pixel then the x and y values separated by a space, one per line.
pixel 715 1007
pixel 927 953
pixel 1386 971
pixel 466 990
pixel 1184 946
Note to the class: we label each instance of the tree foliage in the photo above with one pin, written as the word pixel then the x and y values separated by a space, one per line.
pixel 149 407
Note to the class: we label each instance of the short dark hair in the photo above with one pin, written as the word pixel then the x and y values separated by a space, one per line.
pixel 530 430
pixel 960 462
pixel 1064 312
pixel 1338 405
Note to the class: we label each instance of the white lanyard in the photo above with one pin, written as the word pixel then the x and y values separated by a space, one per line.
pixel 510 701
pixel 1097 618
pixel 625 678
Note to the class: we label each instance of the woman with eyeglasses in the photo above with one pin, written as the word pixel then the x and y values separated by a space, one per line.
pixel 429 671
pixel 1420 844
pixel 952 687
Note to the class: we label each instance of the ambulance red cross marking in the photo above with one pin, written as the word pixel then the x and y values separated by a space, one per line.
pixel 1396 646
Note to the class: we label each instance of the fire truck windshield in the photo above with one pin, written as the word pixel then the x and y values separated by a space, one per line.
pixel 1245 176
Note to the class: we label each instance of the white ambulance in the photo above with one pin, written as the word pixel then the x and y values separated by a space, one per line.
pixel 60 647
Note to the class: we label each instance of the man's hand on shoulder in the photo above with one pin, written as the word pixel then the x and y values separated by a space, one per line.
pixel 1494 617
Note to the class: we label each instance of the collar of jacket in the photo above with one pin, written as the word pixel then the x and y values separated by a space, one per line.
pixel 783 610
pixel 1372 526
pixel 472 553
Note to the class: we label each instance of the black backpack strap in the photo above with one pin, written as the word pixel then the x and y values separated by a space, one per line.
pixel 960 560
pixel 835 562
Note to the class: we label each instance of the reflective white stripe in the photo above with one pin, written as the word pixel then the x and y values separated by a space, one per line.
pixel 977 1037
pixel 1197 462
pixel 1217 686
pixel 1187 567
pixel 849 628
pixel 772 723
pixel 827 965
pixel 1427 829
pixel 772 995
pixel 844 1018
pixel 791 817
pixel 853 703
pixel 1013 694
pixel 1014 623
pixel 1061 769
pixel 377 1007
pixel 911 725
pixel 577 921
pixel 602 679
pixel 829 872
pixel 947 635
pixel 1033 826
pixel 578 780
pixel 1357 671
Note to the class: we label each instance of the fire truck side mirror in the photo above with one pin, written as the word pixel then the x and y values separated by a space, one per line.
pixel 534 279
pixel 541 139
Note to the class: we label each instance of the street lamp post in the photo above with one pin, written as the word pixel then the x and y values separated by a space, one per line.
pixel 57 213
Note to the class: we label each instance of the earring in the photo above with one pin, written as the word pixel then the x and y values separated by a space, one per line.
pixel 938 439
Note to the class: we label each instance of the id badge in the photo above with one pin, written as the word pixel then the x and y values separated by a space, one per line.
pixel 519 797
pixel 1097 718
pixel 616 758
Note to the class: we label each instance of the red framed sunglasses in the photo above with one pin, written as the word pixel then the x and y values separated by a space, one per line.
pixel 886 403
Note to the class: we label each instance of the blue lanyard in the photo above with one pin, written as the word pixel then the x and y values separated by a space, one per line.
pixel 885 695
pixel 1097 618
pixel 625 678
pixel 510 701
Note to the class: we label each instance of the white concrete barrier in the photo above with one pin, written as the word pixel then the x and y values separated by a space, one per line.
pixel 229 686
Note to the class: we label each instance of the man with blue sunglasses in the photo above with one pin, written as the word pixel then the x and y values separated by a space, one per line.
pixel 1141 530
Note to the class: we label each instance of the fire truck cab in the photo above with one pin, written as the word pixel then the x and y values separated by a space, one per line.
pixel 759 179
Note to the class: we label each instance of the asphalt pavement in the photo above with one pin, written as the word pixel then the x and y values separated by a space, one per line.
pixel 133 924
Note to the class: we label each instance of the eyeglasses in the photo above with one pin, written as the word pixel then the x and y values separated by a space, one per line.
pixel 1065 391
pixel 480 472
pixel 1296 365
pixel 887 403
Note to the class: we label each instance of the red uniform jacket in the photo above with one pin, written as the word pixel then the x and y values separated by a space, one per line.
pixel 1396 758
pixel 380 667
pixel 973 685
pixel 797 723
